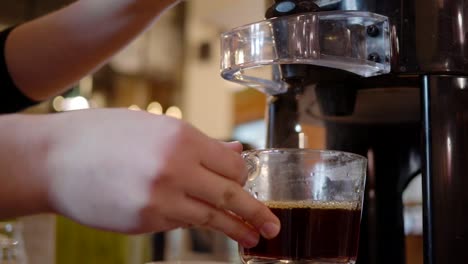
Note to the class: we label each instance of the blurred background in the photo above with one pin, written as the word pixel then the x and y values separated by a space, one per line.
pixel 172 69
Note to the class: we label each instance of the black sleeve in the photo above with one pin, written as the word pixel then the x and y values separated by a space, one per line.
pixel 11 98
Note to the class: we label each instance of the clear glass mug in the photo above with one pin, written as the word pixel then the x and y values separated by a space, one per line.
pixel 318 197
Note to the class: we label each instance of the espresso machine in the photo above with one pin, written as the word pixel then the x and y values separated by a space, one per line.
pixel 388 79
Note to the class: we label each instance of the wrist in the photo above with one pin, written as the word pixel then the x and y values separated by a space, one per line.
pixel 25 143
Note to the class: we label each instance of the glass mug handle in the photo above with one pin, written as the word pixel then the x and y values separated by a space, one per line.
pixel 252 162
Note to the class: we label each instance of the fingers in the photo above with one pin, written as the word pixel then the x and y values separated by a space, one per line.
pixel 228 195
pixel 235 146
pixel 224 159
pixel 200 214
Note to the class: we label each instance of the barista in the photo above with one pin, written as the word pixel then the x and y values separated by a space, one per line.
pixel 118 170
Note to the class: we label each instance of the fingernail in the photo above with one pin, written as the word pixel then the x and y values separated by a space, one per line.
pixel 270 230
pixel 250 241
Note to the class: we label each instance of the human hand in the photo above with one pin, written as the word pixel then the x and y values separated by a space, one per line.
pixel 134 172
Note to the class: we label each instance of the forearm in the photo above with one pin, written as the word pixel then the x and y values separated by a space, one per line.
pixel 47 55
pixel 23 177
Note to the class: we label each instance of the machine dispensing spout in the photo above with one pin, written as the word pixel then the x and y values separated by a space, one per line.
pixel 291 7
pixel 293 74
pixel 334 94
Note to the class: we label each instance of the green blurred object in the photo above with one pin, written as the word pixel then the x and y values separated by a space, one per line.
pixel 77 244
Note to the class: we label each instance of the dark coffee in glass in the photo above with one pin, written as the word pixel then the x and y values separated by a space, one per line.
pixel 321 231
pixel 317 195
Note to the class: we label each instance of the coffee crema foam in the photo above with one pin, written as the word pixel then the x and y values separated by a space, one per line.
pixel 332 205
